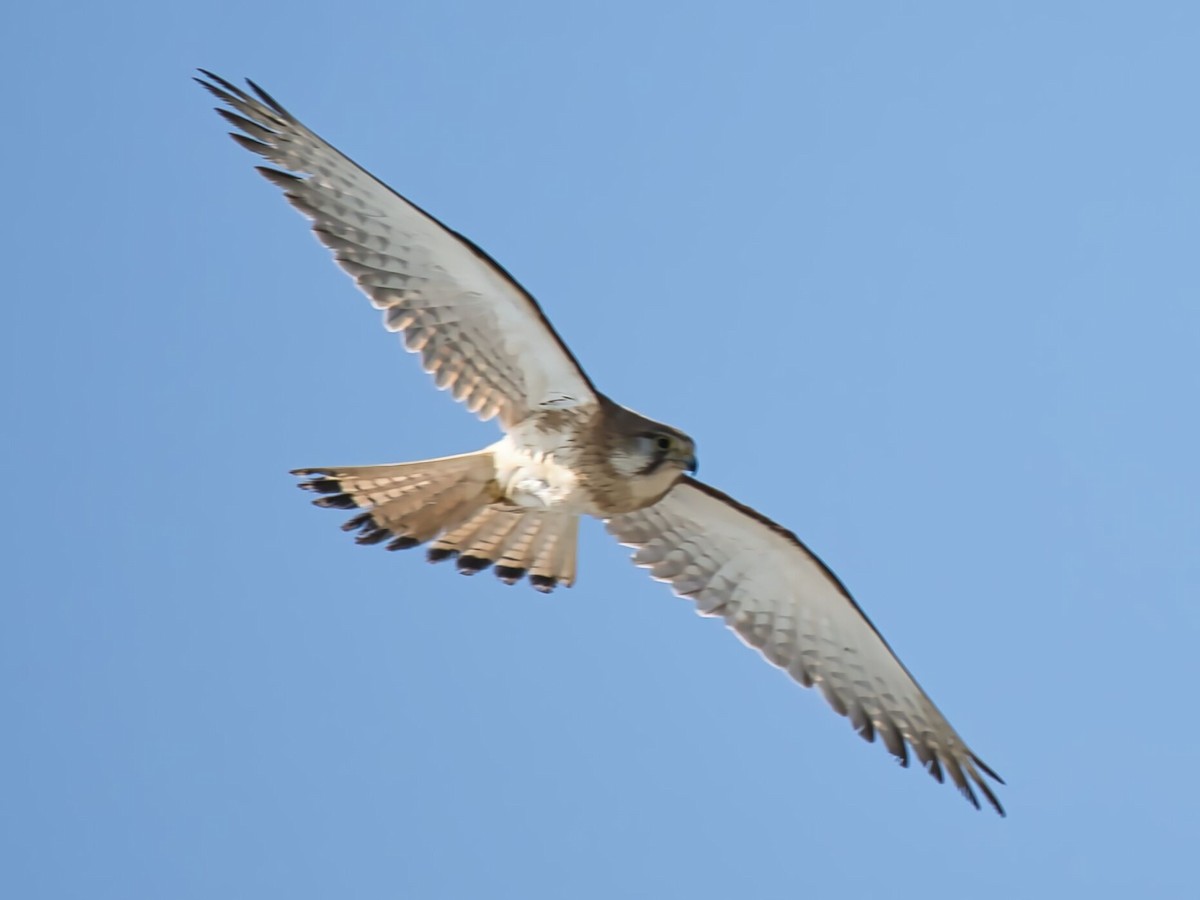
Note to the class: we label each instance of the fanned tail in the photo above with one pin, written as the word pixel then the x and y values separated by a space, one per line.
pixel 456 501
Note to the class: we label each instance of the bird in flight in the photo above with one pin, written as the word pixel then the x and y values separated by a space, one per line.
pixel 569 451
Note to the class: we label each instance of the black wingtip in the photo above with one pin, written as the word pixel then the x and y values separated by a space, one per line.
pixel 268 99
pixel 934 768
pixel 219 85
pixel 283 180
pixel 249 143
pixel 991 798
pixel 229 92
pixel 991 773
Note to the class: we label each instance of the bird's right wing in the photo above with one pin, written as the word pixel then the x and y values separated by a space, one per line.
pixel 781 599
pixel 479 333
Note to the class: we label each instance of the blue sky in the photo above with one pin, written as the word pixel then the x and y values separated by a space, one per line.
pixel 921 280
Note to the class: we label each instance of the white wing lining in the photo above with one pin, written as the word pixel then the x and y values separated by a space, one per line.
pixel 781 599
pixel 479 333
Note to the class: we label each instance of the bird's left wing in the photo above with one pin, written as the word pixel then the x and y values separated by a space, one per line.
pixel 780 598
pixel 479 333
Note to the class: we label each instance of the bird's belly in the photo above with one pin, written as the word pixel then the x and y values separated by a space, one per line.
pixel 538 478
pixel 535 490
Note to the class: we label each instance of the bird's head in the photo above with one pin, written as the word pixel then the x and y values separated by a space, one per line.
pixel 651 456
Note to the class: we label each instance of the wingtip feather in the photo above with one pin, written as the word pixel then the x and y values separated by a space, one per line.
pixel 268 99
pixel 277 177
pixel 988 770
pixel 251 144
pixel 221 86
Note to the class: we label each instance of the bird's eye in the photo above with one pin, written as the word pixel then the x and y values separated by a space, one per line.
pixel 663 443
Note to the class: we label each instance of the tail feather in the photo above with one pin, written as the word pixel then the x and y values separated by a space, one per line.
pixel 456 503
pixel 411 502
pixel 487 535
pixel 556 558
pixel 519 542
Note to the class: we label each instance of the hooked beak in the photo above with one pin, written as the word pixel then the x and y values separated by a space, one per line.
pixel 684 457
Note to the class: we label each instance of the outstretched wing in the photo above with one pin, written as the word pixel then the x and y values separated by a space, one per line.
pixel 479 333
pixel 782 599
